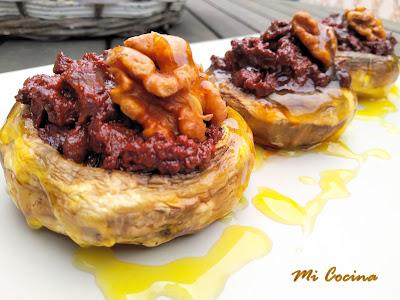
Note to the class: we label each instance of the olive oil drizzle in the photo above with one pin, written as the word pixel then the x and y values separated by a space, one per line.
pixel 340 149
pixel 307 180
pixel 261 156
pixel 377 109
pixel 330 148
pixel 333 183
pixel 185 279
pixel 283 209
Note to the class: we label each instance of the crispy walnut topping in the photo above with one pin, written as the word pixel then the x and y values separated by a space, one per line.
pixel 319 39
pixel 365 23
pixel 160 87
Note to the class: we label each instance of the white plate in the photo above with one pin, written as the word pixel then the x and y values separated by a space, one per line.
pixel 360 232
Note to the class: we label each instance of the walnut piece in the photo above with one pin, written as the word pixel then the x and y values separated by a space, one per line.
pixel 159 86
pixel 365 23
pixel 319 39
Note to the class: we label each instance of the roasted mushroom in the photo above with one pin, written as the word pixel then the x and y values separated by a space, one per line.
pixel 285 84
pixel 366 50
pixel 162 157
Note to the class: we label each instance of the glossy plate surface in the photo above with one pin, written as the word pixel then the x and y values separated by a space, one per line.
pixel 338 205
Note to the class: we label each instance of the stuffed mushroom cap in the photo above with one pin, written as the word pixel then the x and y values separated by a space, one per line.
pixel 291 120
pixel 366 49
pixel 144 111
pixel 98 207
pixel 371 74
pixel 286 84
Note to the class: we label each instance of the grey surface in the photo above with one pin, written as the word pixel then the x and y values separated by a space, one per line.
pixel 240 13
pixel 218 20
pixel 202 20
pixel 262 9
pixel 21 54
pixel 193 29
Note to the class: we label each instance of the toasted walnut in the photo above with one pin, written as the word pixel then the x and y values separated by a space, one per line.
pixel 137 104
pixel 160 87
pixel 365 23
pixel 174 68
pixel 319 39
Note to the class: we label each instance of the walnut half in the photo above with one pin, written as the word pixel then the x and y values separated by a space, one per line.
pixel 319 39
pixel 159 86
pixel 365 23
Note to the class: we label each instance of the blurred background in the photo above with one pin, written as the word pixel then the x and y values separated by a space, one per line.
pixel 388 9
pixel 32 32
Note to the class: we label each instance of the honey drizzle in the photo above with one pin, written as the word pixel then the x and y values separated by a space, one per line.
pixel 185 279
pixel 283 209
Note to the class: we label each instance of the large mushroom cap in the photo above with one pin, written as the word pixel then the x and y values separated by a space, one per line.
pixel 98 207
pixel 370 73
pixel 291 120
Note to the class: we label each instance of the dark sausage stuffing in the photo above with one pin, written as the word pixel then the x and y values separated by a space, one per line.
pixel 350 40
pixel 73 112
pixel 277 60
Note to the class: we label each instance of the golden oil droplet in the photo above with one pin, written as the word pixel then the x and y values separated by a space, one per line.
pixel 395 90
pixel 283 209
pixel 33 223
pixel 184 279
pixel 243 203
pixel 279 207
pixel 307 180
